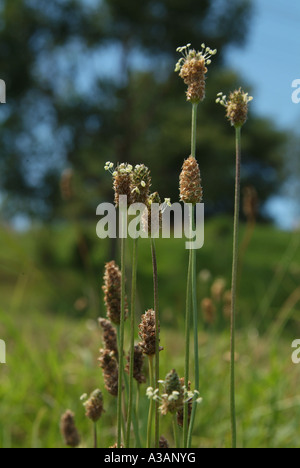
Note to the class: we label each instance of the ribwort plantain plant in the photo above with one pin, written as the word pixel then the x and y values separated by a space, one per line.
pixel 236 112
pixel 139 188
pixel 153 227
pixel 94 409
pixel 69 430
pixel 175 397
pixel 149 339
pixel 192 68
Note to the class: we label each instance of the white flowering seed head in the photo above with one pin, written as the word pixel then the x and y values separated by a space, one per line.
pixel 122 181
pixel 192 68
pixel 236 106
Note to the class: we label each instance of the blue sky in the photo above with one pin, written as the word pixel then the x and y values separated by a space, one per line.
pixel 270 62
pixel 271 59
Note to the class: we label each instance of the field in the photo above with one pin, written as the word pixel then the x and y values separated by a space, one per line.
pixel 51 297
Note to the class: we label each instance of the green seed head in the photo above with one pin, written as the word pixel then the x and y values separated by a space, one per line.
pixel 172 382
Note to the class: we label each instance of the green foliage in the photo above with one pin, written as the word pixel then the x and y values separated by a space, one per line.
pixel 55 366
pixel 51 298
pixel 60 270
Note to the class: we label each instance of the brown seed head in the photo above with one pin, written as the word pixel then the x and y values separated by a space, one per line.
pixel 208 310
pixel 163 443
pixel 236 106
pixel 109 336
pixel 193 73
pixel 140 184
pixel 94 406
pixel 66 188
pixel 112 292
pixel 147 333
pixel 190 182
pixel 137 365
pixel 192 68
pixel 122 177
pixel 68 429
pixel 227 304
pixel 218 288
pixel 109 365
pixel 250 203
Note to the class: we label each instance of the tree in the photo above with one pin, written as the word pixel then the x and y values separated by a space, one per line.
pixel 93 81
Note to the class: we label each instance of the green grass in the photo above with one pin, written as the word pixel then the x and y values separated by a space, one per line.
pixel 50 301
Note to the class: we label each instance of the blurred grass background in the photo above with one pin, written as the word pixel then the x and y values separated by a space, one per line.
pixel 49 309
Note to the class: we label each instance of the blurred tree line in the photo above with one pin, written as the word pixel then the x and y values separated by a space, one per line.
pixel 93 80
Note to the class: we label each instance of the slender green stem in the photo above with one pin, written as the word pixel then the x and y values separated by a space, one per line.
pixel 132 327
pixel 150 415
pixel 194 129
pixel 126 388
pixel 95 436
pixel 191 290
pixel 187 341
pixel 192 422
pixel 121 340
pixel 196 345
pixel 175 429
pixel 234 284
pixel 124 411
pixel 134 417
pixel 137 400
pixel 156 308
